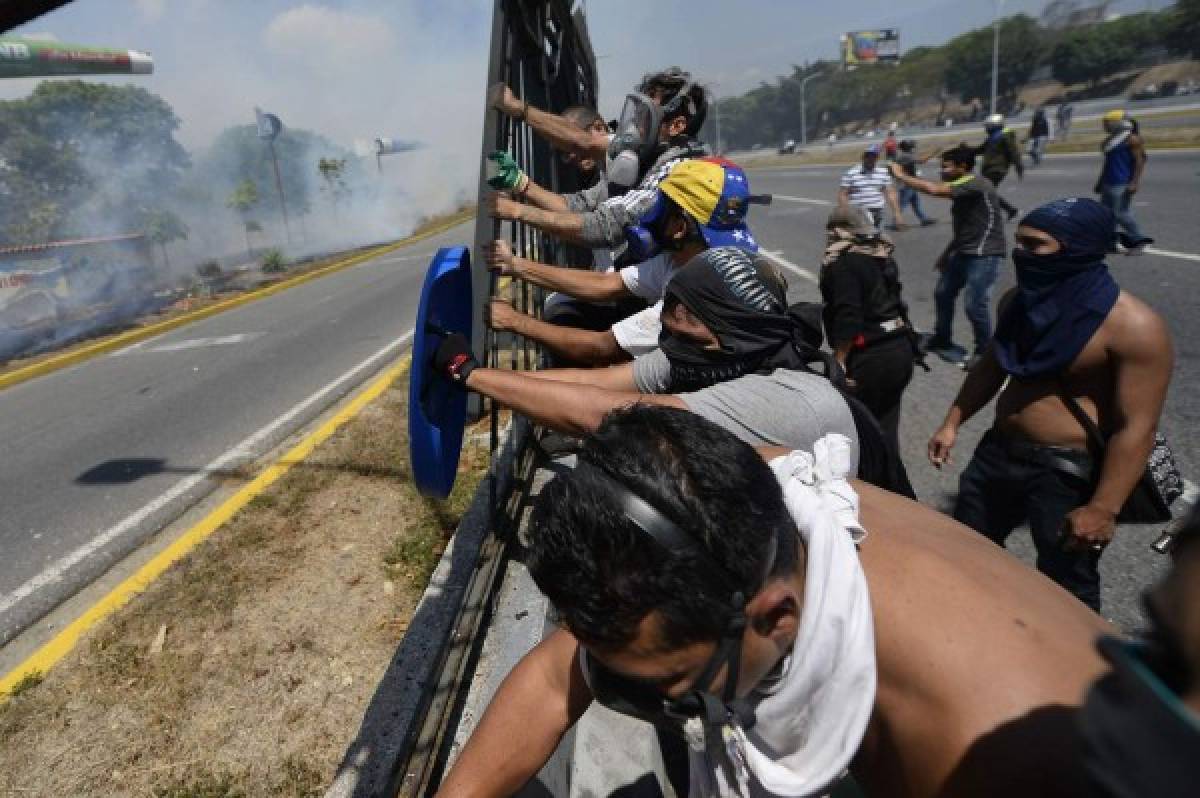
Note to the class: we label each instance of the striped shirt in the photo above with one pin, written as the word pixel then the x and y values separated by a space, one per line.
pixel 866 188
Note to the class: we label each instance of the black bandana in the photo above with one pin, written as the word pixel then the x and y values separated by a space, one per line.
pixel 741 298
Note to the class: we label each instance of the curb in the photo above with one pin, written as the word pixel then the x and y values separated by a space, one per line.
pixel 121 340
pixel 49 654
pixel 392 722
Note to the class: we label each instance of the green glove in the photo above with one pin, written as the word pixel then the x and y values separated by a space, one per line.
pixel 503 172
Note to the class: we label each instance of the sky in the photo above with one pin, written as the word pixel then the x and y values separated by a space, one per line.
pixel 352 70
pixel 414 69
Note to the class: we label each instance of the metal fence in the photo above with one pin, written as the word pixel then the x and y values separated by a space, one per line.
pixel 541 49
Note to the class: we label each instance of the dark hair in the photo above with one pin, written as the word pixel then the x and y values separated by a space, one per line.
pixel 604 574
pixel 962 156
pixel 670 82
pixel 582 116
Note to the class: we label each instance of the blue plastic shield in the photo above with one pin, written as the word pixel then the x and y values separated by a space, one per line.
pixel 437 408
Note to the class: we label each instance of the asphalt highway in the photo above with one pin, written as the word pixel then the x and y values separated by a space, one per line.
pixel 100 456
pixel 1166 207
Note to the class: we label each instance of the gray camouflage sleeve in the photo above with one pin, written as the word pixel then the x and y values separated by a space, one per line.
pixel 605 226
pixel 587 200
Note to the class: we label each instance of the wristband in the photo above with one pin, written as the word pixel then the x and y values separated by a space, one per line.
pixel 461 366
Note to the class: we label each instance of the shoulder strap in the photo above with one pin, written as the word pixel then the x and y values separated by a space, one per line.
pixel 1094 434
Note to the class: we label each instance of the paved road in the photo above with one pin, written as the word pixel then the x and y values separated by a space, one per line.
pixel 100 456
pixel 1167 205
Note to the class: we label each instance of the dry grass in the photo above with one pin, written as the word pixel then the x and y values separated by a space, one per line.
pixel 245 670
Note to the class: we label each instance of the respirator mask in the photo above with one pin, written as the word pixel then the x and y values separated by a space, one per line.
pixel 648 237
pixel 635 141
pixel 641 700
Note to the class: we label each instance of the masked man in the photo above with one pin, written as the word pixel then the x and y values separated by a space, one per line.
pixel 656 132
pixel 701 204
pixel 731 350
pixel 1068 342
pixel 750 610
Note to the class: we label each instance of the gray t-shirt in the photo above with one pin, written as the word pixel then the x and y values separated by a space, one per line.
pixel 784 408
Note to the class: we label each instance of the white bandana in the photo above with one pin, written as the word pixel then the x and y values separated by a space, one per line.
pixel 811 719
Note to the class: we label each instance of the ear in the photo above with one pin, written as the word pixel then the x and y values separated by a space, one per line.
pixel 775 612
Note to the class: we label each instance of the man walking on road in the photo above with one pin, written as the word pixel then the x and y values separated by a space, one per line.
pixel 910 161
pixel 869 186
pixel 1039 133
pixel 1000 152
pixel 973 256
pixel 1071 349
pixel 1124 161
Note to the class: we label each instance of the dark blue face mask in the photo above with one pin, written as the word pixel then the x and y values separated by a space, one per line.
pixel 1040 273
pixel 648 237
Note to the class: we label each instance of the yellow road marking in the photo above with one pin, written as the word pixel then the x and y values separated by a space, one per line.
pixel 42 660
pixel 124 339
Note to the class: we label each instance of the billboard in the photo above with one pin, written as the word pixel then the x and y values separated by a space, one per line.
pixel 871 47
pixel 24 58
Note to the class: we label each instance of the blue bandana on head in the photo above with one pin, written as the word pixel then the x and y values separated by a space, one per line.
pixel 1062 298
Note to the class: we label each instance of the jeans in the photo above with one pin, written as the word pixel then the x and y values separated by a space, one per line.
pixel 978 274
pixel 1118 199
pixel 997 492
pixel 910 196
pixel 1037 147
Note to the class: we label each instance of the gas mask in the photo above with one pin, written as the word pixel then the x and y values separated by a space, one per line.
pixel 641 700
pixel 648 237
pixel 635 142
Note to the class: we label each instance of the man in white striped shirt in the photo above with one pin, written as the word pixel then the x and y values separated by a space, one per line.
pixel 869 186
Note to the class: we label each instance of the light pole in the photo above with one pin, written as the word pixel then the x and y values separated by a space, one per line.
pixel 717 109
pixel 997 5
pixel 804 109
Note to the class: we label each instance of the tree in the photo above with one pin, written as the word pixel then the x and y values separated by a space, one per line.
pixel 162 227
pixel 1182 26
pixel 242 200
pixel 333 172
pixel 84 158
pixel 969 59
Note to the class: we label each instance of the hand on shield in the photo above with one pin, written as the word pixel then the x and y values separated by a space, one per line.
pixel 454 358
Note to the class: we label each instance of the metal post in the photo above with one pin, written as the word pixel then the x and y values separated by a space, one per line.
pixel 717 109
pixel 997 6
pixel 804 108
pixel 279 188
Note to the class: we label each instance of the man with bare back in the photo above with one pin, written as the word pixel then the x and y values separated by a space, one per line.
pixel 788 625
pixel 1068 342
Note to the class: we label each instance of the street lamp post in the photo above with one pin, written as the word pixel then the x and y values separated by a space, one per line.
pixel 804 109
pixel 717 108
pixel 998 6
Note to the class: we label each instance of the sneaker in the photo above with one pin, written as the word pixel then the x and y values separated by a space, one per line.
pixel 970 362
pixel 926 222
pixel 946 350
pixel 1012 213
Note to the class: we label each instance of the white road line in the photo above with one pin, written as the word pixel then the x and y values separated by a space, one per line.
pixel 787 264
pixel 191 343
pixel 56 571
pixel 1166 253
pixel 806 200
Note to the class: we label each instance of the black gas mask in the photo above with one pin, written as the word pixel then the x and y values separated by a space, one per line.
pixel 642 700
pixel 635 142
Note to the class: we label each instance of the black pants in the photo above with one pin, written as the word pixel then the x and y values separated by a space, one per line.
pixel 998 491
pixel 881 371
pixel 997 177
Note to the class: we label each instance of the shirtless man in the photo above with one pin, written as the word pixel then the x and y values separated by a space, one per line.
pixel 1067 330
pixel 867 658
